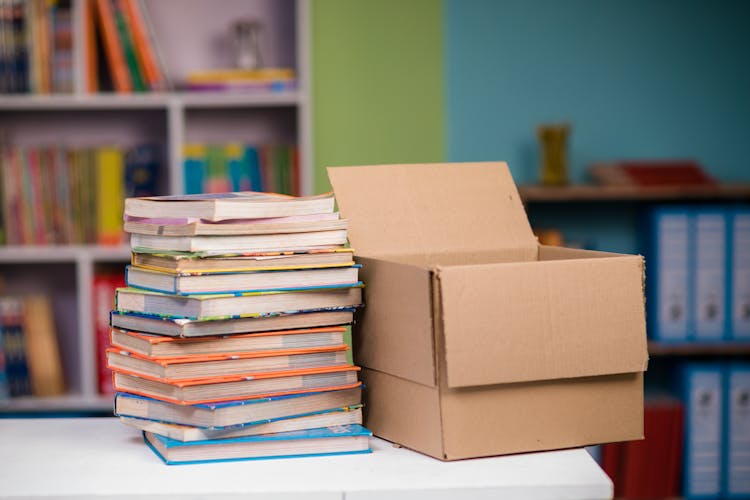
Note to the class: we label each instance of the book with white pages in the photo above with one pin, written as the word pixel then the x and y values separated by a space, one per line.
pixel 244 243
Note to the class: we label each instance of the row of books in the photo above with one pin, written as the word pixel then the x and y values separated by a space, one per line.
pixel 30 361
pixel 697 446
pixel 698 284
pixel 36 46
pixel 58 195
pixel 218 168
pixel 237 351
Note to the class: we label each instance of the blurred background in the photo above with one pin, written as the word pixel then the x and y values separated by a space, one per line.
pixel 623 123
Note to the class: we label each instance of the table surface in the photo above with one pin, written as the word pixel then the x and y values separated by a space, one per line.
pixel 86 457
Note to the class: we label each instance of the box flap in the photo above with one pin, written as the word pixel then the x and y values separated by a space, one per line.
pixel 527 321
pixel 433 209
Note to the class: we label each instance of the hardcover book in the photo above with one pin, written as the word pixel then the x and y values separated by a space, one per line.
pixel 233 387
pixel 235 413
pixel 242 304
pixel 327 418
pixel 221 206
pixel 188 328
pixel 159 346
pixel 239 243
pixel 191 262
pixel 182 284
pixel 345 439
pixel 220 365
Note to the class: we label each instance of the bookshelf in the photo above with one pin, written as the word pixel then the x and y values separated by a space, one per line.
pixel 592 193
pixel 187 33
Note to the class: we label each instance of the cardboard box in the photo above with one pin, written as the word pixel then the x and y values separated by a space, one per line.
pixel 475 339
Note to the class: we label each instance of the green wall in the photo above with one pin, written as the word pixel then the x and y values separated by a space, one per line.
pixel 378 91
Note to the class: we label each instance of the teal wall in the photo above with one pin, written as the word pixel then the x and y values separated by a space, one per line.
pixel 636 79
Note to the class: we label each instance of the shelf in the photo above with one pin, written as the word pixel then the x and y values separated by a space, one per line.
pixel 70 403
pixel 591 193
pixel 697 349
pixel 62 253
pixel 150 100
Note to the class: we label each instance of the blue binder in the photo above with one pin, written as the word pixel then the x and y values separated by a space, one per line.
pixel 709 273
pixel 703 396
pixel 737 446
pixel 740 274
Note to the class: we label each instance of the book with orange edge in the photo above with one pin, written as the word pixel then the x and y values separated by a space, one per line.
pixel 113 47
pixel 230 388
pixel 207 367
pixel 161 347
pixel 144 49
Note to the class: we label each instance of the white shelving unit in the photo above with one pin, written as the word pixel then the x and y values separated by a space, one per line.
pixel 186 33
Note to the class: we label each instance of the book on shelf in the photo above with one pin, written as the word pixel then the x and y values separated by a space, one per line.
pixel 199 262
pixel 197 367
pixel 159 346
pixel 214 168
pixel 188 328
pixel 326 418
pixel 239 243
pixel 236 413
pixel 220 206
pixel 240 281
pixel 648 173
pixel 737 420
pixel 233 387
pixel 59 195
pixel 241 304
pixel 14 347
pixel 340 440
pixel 267 79
pixel 196 227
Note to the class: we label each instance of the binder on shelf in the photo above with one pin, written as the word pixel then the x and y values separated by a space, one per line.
pixel 737 447
pixel 703 394
pixel 668 285
pixel 740 274
pixel 709 272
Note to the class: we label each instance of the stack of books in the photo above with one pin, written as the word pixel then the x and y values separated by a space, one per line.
pixel 228 342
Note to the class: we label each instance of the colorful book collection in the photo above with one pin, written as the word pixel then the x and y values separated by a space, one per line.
pixel 219 168
pixel 30 362
pixel 36 46
pixel 57 195
pixel 228 342
pixel 698 287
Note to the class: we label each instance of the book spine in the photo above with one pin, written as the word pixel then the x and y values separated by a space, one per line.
pixel 253 164
pixel 194 168
pixel 128 46
pixel 113 47
pixel 141 170
pixel 143 47
pixel 62 48
pixel 110 195
pixel 43 353
pixel 104 287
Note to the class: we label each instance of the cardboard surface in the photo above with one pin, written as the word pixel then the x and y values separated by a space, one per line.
pixel 543 320
pixel 428 209
pixel 475 340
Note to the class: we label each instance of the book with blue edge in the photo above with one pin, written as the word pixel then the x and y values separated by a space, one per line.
pixel 340 440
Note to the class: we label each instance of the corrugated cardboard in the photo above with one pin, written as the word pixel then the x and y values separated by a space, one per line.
pixel 476 340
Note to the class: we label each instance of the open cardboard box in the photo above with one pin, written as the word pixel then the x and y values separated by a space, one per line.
pixel 475 340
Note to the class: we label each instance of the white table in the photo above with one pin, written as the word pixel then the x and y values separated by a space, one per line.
pixel 87 457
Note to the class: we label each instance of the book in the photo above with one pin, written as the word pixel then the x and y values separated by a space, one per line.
pixel 651 173
pixel 197 227
pixel 113 46
pixel 184 284
pixel 221 206
pixel 339 440
pixel 237 413
pixel 110 179
pixel 233 387
pixel 104 286
pixel 159 346
pixel 241 304
pixel 239 243
pixel 219 365
pixel 191 262
pixel 187 328
pixel 42 351
pixel 327 418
